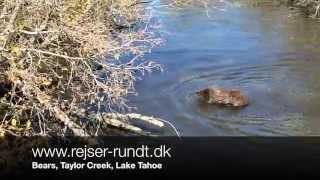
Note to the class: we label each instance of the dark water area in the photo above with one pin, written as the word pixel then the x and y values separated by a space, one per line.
pixel 271 53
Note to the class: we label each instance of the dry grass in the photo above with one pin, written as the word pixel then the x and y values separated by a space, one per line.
pixel 62 60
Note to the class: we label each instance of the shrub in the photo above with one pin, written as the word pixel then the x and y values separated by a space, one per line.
pixel 61 64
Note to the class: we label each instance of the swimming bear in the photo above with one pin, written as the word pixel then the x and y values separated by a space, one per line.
pixel 224 97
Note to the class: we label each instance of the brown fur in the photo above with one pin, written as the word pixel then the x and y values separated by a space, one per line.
pixel 225 97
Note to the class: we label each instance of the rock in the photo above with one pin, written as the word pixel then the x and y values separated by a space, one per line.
pixel 224 97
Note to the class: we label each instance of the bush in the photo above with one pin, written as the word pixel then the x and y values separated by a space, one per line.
pixel 61 63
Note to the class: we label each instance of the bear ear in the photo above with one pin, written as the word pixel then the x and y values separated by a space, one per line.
pixel 202 92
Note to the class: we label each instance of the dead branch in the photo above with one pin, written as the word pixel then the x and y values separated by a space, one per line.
pixel 76 129
pixel 151 120
pixel 65 59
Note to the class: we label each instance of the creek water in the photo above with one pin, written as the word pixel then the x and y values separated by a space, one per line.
pixel 270 53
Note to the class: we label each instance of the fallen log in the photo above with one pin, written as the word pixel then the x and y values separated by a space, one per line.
pixel 147 119
pixel 151 120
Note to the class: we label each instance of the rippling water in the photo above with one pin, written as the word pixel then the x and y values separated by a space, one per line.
pixel 269 52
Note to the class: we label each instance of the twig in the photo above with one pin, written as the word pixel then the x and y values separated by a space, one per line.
pixel 11 132
pixel 36 32
pixel 76 129
pixel 9 27
pixel 137 3
pixel 54 54
pixel 317 11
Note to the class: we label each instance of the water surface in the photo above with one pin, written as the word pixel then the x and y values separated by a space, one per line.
pixel 269 52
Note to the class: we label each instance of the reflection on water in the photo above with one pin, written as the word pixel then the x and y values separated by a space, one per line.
pixel 267 51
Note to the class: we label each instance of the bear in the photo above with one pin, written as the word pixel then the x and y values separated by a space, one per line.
pixel 221 96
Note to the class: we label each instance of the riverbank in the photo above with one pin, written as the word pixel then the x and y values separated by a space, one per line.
pixel 63 69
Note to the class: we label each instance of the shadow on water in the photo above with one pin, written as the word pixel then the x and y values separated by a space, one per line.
pixel 269 52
